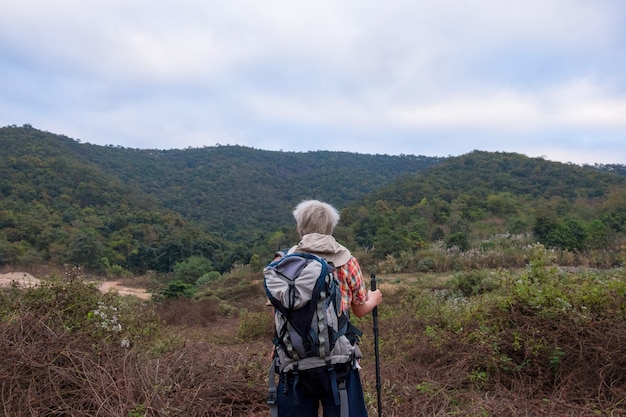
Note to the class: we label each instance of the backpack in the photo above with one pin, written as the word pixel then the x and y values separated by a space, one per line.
pixel 311 329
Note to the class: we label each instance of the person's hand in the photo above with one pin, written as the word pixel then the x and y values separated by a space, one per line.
pixel 374 297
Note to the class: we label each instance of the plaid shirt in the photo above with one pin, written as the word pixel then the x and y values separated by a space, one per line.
pixel 352 284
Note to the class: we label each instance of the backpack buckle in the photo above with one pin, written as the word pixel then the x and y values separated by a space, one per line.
pixel 271 398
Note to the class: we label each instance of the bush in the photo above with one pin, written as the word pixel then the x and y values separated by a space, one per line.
pixel 254 325
pixel 68 349
pixel 255 263
pixel 208 277
pixel 192 268
pixel 459 240
pixel 178 288
pixel 474 282
pixel 426 265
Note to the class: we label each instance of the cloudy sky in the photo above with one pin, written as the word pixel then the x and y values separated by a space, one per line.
pixel 424 77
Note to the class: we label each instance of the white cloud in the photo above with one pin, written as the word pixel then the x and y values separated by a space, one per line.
pixel 193 73
pixel 577 103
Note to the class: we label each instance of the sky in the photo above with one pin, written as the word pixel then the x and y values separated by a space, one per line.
pixel 544 78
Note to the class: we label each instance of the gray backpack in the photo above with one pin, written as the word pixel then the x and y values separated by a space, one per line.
pixel 311 329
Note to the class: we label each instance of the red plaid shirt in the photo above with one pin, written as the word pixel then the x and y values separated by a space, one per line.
pixel 352 284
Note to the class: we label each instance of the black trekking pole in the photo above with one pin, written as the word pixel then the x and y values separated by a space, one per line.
pixel 376 354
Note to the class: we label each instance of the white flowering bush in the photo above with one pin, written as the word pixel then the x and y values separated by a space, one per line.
pixel 107 316
pixel 72 303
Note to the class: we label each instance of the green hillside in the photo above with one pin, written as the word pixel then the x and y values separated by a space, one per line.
pixel 471 198
pixel 120 209
pixel 58 207
pixel 232 190
pixel 111 207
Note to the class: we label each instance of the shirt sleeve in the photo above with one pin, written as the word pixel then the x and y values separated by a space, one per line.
pixel 352 284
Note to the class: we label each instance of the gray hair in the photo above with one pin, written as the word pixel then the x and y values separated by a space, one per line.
pixel 313 216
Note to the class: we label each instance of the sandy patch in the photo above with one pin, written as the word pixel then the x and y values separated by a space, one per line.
pixel 21 279
pixel 115 286
pixel 25 280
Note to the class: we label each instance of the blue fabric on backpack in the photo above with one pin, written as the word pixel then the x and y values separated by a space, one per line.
pixel 355 394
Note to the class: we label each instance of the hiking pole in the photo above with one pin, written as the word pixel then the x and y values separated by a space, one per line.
pixel 376 354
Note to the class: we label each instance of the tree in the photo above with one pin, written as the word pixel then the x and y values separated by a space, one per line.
pixel 192 268
pixel 85 249
pixel 597 235
pixel 501 204
pixel 177 288
pixel 255 263
pixel 459 240
pixel 568 234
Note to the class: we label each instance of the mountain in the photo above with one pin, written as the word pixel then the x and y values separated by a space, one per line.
pixel 233 189
pixel 105 206
pixel 481 194
pixel 111 208
pixel 58 207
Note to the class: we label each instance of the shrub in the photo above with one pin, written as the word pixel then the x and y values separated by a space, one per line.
pixel 255 263
pixel 474 282
pixel 426 265
pixel 178 288
pixel 253 325
pixel 459 240
pixel 192 268
pixel 208 277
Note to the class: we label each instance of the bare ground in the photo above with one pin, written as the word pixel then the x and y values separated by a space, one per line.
pixel 24 279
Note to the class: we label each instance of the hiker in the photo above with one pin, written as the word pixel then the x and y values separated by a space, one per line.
pixel 315 223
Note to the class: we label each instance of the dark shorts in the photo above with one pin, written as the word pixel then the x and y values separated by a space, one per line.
pixel 314 388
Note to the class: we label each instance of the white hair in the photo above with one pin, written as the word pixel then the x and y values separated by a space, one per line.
pixel 313 216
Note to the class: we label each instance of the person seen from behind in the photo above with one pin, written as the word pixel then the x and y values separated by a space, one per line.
pixel 315 222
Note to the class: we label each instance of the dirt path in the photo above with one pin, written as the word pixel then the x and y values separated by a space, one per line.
pixel 115 286
pixel 24 279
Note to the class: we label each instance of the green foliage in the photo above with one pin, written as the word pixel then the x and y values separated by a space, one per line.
pixel 468 199
pixel 501 204
pixel 178 288
pixel 474 282
pixel 192 268
pixel 540 260
pixel 65 301
pixel 255 263
pixel 426 265
pixel 459 240
pixel 137 411
pixel 115 271
pixel 112 209
pixel 59 207
pixel 544 341
pixel 534 329
pixel 597 235
pixel 66 201
pixel 253 325
pixel 207 278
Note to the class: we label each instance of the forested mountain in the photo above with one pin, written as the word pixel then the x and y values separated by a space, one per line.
pixel 58 207
pixel 232 190
pixel 481 194
pixel 104 206
pixel 113 208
